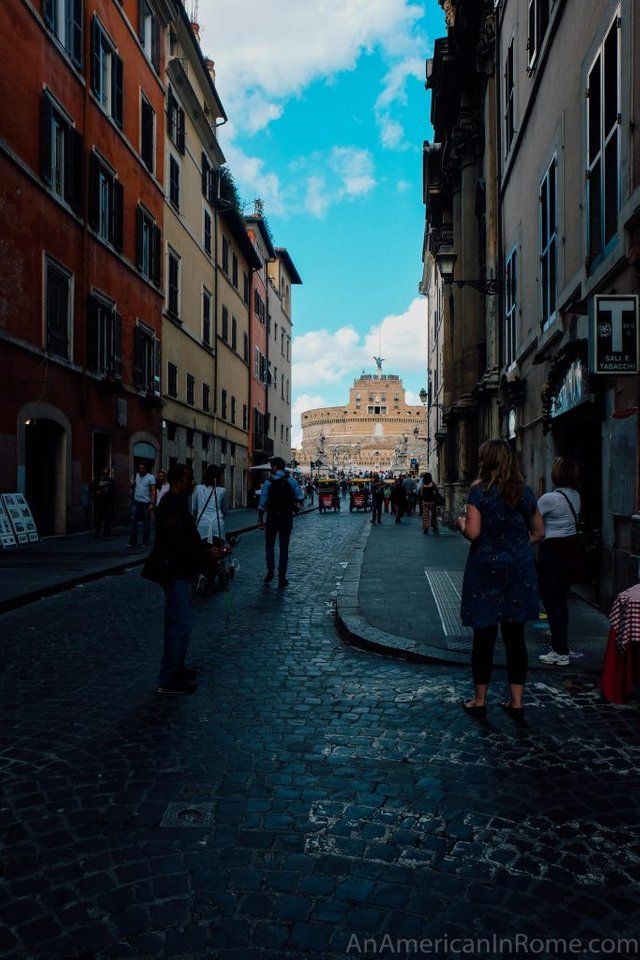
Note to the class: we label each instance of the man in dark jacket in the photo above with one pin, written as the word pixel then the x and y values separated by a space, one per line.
pixel 281 496
pixel 103 496
pixel 178 541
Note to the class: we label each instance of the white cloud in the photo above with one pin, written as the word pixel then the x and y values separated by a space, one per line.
pixel 304 401
pixel 394 95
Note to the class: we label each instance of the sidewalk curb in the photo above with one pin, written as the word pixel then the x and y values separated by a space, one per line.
pixel 354 628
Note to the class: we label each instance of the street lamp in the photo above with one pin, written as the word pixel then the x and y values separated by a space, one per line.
pixel 446 260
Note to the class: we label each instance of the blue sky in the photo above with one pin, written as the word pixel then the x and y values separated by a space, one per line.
pixel 327 115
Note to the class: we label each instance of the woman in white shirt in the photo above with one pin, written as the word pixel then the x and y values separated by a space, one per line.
pixel 555 553
pixel 210 505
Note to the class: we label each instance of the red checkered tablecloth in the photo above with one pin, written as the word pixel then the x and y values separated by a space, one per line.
pixel 625 617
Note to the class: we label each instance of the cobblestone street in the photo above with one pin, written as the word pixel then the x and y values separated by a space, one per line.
pixel 309 796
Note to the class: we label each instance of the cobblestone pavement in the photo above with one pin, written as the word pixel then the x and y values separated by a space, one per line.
pixel 311 800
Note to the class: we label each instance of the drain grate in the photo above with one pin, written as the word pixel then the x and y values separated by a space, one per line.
pixel 181 814
pixel 446 586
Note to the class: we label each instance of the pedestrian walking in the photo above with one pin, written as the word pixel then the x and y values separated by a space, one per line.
pixel 103 497
pixel 143 493
pixel 409 485
pixel 377 497
pixel 162 486
pixel 427 500
pixel 398 499
pixel 559 510
pixel 500 586
pixel 386 493
pixel 344 487
pixel 179 549
pixel 280 499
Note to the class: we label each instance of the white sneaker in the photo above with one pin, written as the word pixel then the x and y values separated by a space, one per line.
pixel 555 659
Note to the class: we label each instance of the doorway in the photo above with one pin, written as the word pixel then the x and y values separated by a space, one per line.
pixel 45 475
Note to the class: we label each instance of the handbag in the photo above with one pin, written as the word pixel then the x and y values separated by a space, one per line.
pixel 572 550
pixel 158 567
pixel 438 499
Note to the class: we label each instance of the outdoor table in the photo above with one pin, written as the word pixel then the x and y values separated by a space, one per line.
pixel 621 667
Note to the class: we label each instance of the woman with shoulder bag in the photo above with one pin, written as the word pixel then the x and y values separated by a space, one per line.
pixel 559 557
pixel 428 502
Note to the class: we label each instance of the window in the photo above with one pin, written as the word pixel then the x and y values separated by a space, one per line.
pixel 282 343
pixel 147 133
pixel 234 271
pixel 209 180
pixel 245 417
pixel 224 326
pixel 175 121
pixel 233 409
pixel 191 390
pixel 223 405
pixel 225 255
pixel 104 338
pixel 510 308
pixel 189 440
pixel 171 435
pixel 173 284
pixel 58 300
pixel 509 98
pixel 206 316
pixel 256 363
pixel 206 392
pixel 288 348
pixel 174 182
pixel 245 347
pixel 106 73
pixel 148 246
pixel 245 287
pixel 172 380
pixel 146 373
pixel 538 23
pixel 149 33
pixel 61 154
pixel 275 332
pixel 106 201
pixel 275 378
pixel 259 306
pixel 207 231
pixel 234 333
pixel 603 145
pixel 548 244
pixel 64 19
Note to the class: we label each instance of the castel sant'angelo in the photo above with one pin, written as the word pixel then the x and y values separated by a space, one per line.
pixel 375 430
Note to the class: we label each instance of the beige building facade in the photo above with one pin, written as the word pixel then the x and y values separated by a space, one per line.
pixel 376 430
pixel 282 275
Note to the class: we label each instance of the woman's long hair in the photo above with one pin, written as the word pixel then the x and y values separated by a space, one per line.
pixel 499 470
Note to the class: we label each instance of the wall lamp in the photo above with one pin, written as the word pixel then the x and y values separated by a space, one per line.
pixel 446 260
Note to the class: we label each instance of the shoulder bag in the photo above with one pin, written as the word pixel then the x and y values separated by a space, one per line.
pixel 572 550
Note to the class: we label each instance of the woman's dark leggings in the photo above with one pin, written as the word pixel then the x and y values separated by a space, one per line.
pixel 484 639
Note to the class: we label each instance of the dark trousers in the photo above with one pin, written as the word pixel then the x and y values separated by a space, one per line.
pixel 140 511
pixel 376 510
pixel 177 630
pixel 102 518
pixel 281 528
pixel 554 590
pixel 484 640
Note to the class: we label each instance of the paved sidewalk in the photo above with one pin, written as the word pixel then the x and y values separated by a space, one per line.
pixel 400 595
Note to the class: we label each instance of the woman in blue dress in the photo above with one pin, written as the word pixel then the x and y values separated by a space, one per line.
pixel 500 585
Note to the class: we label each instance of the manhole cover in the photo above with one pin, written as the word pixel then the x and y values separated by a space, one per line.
pixel 181 814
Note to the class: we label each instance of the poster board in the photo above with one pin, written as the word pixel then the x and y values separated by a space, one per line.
pixel 20 517
pixel 7 536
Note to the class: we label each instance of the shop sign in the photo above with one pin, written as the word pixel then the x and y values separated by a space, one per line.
pixel 572 391
pixel 615 340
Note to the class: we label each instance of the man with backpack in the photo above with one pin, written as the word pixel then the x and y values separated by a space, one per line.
pixel 281 497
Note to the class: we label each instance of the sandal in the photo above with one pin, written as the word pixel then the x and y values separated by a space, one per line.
pixel 475 709
pixel 516 713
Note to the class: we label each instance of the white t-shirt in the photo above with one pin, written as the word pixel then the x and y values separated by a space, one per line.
pixel 556 513
pixel 211 522
pixel 142 491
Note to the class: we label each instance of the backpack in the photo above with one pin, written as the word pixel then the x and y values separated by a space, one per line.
pixel 281 497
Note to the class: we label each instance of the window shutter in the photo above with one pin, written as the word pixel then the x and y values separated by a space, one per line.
pixel 610 189
pixel 93 333
pixel 94 191
pixel 156 251
pixel 47 12
pixel 75 186
pixel 116 88
pixel 156 366
pixel 180 119
pixel 155 44
pixel 117 346
pixel 595 211
pixel 45 139
pixel 138 363
pixel 139 231
pixel 205 175
pixel 118 214
pixel 76 32
pixel 95 58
